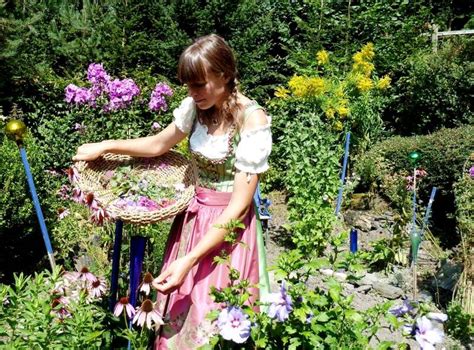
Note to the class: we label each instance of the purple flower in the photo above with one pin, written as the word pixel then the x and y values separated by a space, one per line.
pixel 78 95
pixel 121 93
pixel 471 171
pixel 426 334
pixel 234 325
pixel 281 304
pixel 97 75
pixel 155 126
pixel 80 127
pixel 402 310
pixel 157 100
pixel 148 204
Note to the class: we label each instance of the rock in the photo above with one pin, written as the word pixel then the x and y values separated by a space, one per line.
pixel 369 279
pixel 364 288
pixel 447 276
pixel 387 291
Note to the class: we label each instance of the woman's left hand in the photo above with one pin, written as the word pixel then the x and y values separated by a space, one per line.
pixel 174 275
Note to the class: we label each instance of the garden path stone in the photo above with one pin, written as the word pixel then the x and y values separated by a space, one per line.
pixel 388 291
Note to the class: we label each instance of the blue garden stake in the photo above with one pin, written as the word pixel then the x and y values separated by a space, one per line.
pixel 16 130
pixel 115 264
pixel 137 254
pixel 353 240
pixel 343 173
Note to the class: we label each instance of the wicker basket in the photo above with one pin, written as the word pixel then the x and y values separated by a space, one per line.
pixel 166 169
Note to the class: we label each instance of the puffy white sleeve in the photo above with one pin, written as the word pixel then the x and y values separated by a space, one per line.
pixel 184 115
pixel 253 149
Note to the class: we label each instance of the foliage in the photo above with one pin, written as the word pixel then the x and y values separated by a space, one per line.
pixel 459 324
pixel 433 90
pixel 30 319
pixel 442 156
pixel 310 155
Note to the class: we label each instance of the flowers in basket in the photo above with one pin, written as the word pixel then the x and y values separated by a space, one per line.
pixel 139 191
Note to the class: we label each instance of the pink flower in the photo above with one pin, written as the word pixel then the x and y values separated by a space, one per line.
pixel 98 288
pixel 62 213
pixel 90 201
pixel 145 286
pixel 99 214
pixel 72 174
pixel 147 314
pixel 82 268
pixel 77 195
pixel 122 305
pixel 63 192
pixel 155 126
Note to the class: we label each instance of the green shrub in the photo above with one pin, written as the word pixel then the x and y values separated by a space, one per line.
pixel 433 90
pixel 443 154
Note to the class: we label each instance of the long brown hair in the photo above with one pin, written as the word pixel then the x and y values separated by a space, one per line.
pixel 211 52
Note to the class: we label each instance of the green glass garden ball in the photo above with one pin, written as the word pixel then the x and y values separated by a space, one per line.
pixel 15 129
pixel 414 157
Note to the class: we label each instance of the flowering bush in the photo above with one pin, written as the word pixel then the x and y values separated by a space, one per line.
pixel 296 316
pixel 54 310
pixel 341 98
pixel 109 103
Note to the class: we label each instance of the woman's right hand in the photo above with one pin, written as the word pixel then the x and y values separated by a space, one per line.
pixel 90 151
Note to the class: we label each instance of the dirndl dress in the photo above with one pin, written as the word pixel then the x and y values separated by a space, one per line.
pixel 217 159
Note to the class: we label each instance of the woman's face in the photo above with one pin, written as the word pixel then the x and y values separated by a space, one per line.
pixel 210 92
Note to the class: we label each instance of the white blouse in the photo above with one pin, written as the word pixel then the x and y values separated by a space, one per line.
pixel 252 151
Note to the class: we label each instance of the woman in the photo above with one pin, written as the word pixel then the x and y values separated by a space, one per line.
pixel 230 139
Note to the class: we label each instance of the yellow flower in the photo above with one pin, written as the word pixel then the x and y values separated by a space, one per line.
pixel 315 86
pixel 338 126
pixel 358 57
pixel 322 57
pixel 384 83
pixel 367 51
pixel 330 113
pixel 342 111
pixel 364 84
pixel 281 92
pixel 298 86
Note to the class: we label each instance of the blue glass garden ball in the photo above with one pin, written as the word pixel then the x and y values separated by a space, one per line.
pixel 15 130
